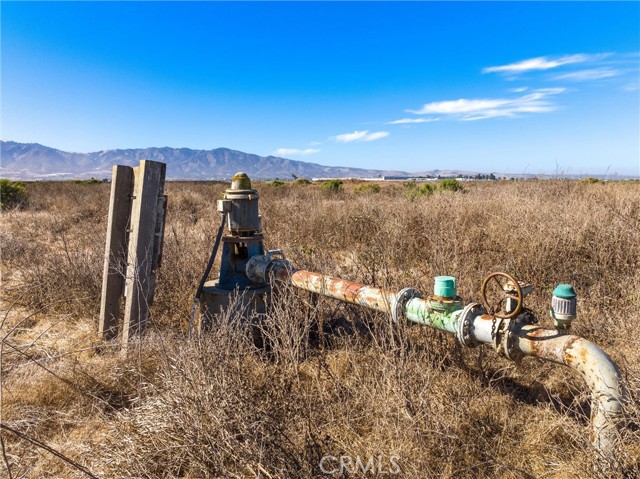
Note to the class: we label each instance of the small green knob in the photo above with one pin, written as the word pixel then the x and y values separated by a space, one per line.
pixel 564 291
pixel 445 286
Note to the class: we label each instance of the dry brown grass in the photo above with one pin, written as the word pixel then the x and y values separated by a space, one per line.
pixel 336 380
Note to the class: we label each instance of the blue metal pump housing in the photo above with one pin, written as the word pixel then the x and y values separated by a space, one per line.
pixel 242 241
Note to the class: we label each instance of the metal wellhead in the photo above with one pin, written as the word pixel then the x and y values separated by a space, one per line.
pixel 501 321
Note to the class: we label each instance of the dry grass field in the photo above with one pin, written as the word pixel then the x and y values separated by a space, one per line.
pixel 337 380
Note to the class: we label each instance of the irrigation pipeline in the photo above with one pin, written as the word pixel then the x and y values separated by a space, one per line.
pixel 512 337
pixel 502 322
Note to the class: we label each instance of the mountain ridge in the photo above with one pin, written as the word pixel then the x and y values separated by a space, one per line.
pixel 35 161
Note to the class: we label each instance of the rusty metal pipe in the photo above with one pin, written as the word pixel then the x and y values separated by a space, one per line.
pixel 347 291
pixel 598 370
pixel 262 269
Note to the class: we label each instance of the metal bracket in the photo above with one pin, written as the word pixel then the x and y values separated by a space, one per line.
pixel 224 206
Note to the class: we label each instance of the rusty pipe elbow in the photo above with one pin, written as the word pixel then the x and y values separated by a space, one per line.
pixel 596 367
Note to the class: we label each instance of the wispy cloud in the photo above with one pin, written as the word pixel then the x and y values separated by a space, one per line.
pixel 294 151
pixel 479 109
pixel 588 75
pixel 363 135
pixel 349 137
pixel 376 135
pixel 543 63
pixel 407 121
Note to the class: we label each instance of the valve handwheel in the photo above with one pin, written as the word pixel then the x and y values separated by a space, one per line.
pixel 496 305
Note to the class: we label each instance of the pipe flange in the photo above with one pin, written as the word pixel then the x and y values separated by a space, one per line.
pixel 404 295
pixel 465 322
pixel 505 339
pixel 510 337
pixel 509 341
pixel 497 334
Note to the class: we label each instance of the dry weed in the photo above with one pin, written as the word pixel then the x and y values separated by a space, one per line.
pixel 331 379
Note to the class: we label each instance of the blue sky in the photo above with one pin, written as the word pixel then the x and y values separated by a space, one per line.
pixel 495 87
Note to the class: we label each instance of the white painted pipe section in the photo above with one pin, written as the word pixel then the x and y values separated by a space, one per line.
pixel 598 370
pixel 596 367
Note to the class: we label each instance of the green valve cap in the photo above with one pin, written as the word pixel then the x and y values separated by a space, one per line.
pixel 564 291
pixel 445 286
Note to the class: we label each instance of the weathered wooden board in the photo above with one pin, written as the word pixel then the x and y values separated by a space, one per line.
pixel 145 244
pixel 115 257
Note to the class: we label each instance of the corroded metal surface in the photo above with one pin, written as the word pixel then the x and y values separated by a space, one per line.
pixel 511 337
pixel 599 371
pixel 278 270
pixel 355 293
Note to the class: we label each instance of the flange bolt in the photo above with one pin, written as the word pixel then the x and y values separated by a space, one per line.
pixel 563 307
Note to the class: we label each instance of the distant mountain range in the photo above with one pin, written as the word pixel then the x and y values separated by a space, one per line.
pixel 31 161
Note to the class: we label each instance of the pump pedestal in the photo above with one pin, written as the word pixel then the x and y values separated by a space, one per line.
pixel 250 303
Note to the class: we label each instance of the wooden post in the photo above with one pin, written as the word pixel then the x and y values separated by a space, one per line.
pixel 115 254
pixel 133 247
pixel 145 244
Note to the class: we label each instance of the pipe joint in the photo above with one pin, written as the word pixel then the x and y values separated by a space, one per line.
pixel 505 334
pixel 465 324
pixel 400 301
pixel 259 266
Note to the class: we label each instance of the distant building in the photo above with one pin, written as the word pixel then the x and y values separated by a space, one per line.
pixel 346 178
pixel 408 178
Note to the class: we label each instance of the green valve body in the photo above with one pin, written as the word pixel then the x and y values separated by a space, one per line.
pixel 422 312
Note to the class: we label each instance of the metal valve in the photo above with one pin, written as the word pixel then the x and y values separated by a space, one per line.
pixel 563 307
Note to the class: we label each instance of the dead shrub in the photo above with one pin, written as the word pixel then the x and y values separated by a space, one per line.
pixel 332 379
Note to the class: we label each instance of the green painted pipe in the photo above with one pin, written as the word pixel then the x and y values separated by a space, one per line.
pixel 420 311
